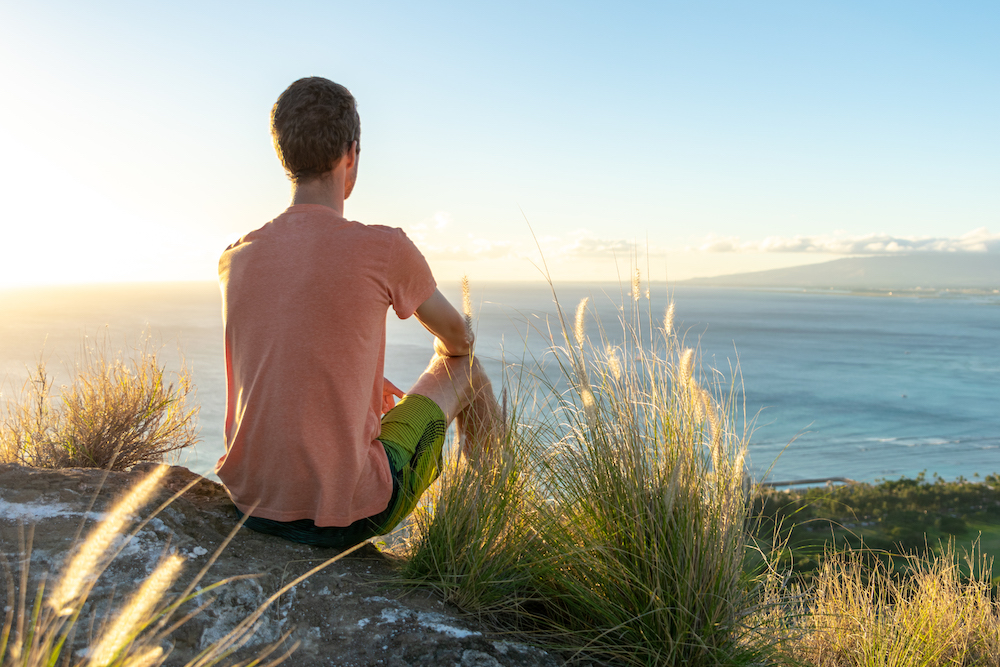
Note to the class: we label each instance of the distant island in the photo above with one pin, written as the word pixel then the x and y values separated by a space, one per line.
pixel 916 272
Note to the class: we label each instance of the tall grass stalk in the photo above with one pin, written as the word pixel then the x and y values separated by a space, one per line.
pixel 120 409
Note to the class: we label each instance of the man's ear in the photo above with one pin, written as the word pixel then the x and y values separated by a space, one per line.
pixel 351 157
pixel 350 162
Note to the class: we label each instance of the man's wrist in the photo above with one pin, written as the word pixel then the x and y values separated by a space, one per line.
pixel 442 349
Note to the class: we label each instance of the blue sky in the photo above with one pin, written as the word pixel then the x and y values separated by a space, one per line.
pixel 716 137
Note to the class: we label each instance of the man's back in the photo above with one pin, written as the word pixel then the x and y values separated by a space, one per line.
pixel 304 304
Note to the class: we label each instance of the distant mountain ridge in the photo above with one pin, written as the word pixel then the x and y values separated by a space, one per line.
pixel 959 270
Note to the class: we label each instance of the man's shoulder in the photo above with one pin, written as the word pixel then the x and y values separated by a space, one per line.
pixel 387 235
pixel 386 232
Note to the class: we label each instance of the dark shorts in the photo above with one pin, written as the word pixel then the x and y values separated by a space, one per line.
pixel 413 436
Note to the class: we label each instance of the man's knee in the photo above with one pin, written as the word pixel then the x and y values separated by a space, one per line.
pixel 448 382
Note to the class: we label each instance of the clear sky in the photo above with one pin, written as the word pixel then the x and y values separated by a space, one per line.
pixel 713 137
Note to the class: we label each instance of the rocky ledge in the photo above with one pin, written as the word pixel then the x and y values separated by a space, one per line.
pixel 354 612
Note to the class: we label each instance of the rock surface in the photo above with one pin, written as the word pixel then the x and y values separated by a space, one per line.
pixel 353 613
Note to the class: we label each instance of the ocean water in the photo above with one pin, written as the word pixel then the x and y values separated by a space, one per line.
pixel 835 384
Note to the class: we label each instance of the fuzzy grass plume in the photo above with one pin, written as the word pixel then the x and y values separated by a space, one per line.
pixel 668 320
pixel 467 304
pixel 43 633
pixel 136 614
pixel 95 552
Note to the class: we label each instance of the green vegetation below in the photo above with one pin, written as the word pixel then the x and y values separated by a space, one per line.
pixel 890 517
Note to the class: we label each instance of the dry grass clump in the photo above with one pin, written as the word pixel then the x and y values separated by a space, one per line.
pixel 649 543
pixel 867 612
pixel 119 410
pixel 615 527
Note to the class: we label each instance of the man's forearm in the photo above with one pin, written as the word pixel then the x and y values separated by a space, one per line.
pixel 452 336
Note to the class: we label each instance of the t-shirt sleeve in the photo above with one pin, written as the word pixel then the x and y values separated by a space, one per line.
pixel 411 281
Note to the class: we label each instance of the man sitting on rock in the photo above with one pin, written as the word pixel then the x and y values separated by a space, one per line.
pixel 304 306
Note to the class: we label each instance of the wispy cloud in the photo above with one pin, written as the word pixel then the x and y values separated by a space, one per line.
pixel 978 240
pixel 474 248
pixel 591 247
pixel 580 244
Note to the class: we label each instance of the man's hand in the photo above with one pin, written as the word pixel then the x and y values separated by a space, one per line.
pixel 388 391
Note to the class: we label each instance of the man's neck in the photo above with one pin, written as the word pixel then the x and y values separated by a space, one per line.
pixel 333 187
pixel 327 190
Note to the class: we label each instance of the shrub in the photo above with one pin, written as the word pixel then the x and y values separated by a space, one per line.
pixel 119 410
pixel 895 516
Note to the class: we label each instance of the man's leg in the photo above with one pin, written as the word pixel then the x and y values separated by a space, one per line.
pixel 413 432
pixel 462 390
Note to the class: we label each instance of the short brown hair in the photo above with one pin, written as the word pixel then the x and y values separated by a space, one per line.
pixel 313 124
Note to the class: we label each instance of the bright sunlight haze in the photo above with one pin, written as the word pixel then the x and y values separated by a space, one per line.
pixel 701 139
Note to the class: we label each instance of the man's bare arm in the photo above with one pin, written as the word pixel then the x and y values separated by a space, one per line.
pixel 452 337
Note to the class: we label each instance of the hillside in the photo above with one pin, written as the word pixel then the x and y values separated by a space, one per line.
pixel 933 271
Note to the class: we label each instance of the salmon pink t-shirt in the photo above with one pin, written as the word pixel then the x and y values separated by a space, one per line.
pixel 304 301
